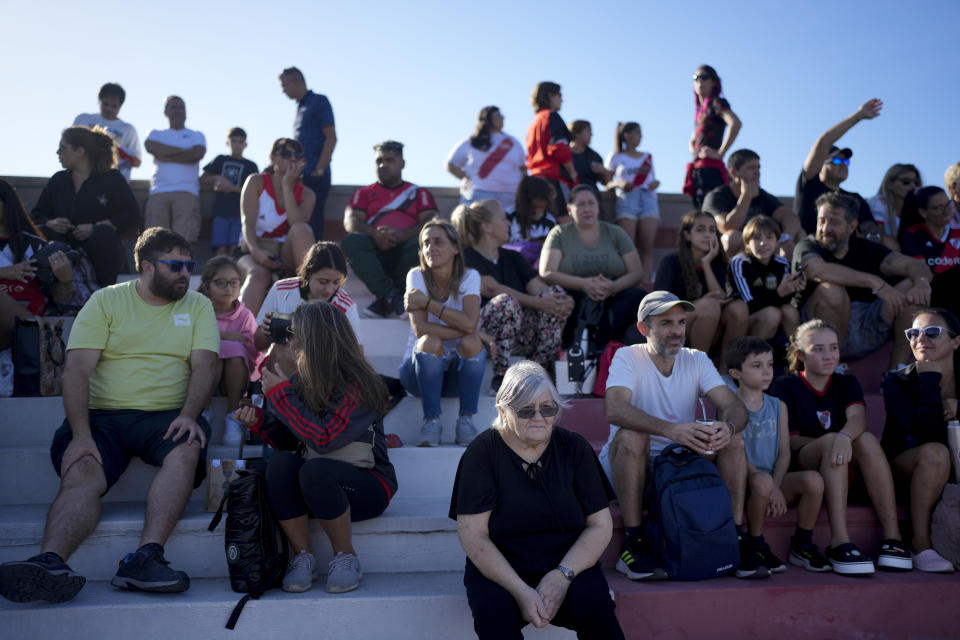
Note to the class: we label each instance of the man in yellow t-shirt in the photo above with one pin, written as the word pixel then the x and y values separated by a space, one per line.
pixel 140 368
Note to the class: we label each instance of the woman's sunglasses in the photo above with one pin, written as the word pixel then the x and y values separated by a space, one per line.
pixel 287 153
pixel 931 332
pixel 545 410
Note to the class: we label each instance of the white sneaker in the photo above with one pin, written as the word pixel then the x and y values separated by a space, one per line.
pixel 344 573
pixel 301 572
pixel 930 560
pixel 430 433
pixel 232 431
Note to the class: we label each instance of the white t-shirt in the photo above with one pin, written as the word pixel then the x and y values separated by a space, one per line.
pixel 673 399
pixel 469 286
pixel 496 169
pixel 627 169
pixel 173 176
pixel 123 133
pixel 284 297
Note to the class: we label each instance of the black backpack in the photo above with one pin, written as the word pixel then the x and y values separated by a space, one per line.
pixel 257 551
pixel 691 517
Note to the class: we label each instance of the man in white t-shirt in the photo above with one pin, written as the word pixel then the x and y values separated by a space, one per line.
pixel 652 396
pixel 111 98
pixel 175 187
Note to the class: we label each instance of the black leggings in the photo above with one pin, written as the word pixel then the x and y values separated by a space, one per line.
pixel 322 488
pixel 588 608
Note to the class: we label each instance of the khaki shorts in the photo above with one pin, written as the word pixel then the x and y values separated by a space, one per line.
pixel 176 210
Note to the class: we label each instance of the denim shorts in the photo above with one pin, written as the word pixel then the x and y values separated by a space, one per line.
pixel 224 232
pixel 636 204
pixel 122 434
pixel 867 331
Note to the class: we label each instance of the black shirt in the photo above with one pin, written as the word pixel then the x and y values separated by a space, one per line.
pixel 670 277
pixel 721 201
pixel 511 269
pixel 862 255
pixel 102 196
pixel 538 513
pixel 756 283
pixel 236 171
pixel 914 410
pixel 582 162
pixel 806 196
pixel 813 413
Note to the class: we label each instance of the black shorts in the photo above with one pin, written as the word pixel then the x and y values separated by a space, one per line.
pixel 122 434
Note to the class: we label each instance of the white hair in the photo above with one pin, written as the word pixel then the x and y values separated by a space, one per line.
pixel 522 384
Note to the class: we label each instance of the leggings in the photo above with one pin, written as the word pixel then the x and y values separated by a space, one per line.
pixel 521 331
pixel 588 608
pixel 322 488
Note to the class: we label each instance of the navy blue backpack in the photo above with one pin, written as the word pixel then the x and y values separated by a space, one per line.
pixel 691 517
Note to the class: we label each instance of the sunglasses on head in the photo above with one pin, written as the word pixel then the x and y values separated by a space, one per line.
pixel 287 153
pixel 545 410
pixel 839 160
pixel 177 266
pixel 931 332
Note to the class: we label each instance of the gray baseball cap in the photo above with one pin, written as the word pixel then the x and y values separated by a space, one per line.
pixel 657 302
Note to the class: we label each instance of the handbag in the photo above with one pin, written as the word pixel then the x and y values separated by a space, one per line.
pixel 39 351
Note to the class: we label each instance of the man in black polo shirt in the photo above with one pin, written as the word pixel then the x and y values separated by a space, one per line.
pixel 736 203
pixel 827 166
pixel 848 286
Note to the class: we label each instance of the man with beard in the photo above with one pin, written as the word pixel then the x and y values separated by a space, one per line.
pixel 862 288
pixel 383 222
pixel 651 401
pixel 140 369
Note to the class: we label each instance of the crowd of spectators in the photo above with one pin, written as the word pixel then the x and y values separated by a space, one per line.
pixel 526 268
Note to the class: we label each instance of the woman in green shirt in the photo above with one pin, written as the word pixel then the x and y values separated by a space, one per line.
pixel 597 263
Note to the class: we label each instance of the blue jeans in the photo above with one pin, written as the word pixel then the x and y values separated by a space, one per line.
pixel 432 378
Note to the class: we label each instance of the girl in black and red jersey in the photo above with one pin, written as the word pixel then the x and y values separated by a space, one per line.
pixel 828 431
pixel 548 143
pixel 22 295
pixel 711 139
pixel 928 232
pixel 330 411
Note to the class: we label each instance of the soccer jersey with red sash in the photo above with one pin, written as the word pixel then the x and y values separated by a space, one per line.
pixel 271 219
pixel 397 207
pixel 940 254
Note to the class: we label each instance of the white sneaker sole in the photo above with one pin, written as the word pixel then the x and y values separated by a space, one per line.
pixel 892 563
pixel 861 568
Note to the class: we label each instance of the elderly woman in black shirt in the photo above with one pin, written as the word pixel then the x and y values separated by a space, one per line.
pixel 89 204
pixel 532 514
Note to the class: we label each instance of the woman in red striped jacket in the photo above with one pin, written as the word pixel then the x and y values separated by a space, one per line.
pixel 332 465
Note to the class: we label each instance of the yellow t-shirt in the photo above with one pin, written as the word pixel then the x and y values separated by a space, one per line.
pixel 145 350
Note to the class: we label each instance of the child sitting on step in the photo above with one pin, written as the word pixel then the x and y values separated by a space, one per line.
pixel 771 485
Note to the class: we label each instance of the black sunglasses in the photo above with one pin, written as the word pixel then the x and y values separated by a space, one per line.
pixel 178 265
pixel 545 410
pixel 931 332
pixel 287 153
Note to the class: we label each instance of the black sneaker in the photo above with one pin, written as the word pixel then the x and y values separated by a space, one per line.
pixel 146 569
pixel 638 562
pixel 894 556
pixel 394 303
pixel 43 577
pixel 750 564
pixel 768 559
pixel 847 560
pixel 376 310
pixel 807 555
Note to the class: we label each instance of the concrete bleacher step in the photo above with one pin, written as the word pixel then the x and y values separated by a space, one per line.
pixel 399 606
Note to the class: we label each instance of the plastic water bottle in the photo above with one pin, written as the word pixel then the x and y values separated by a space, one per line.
pixel 953 440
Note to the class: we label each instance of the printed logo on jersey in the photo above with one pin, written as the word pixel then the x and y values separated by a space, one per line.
pixel 955 242
pixel 824 417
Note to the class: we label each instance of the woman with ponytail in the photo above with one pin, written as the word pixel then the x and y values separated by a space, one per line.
pixel 89 204
pixel 929 233
pixel 711 139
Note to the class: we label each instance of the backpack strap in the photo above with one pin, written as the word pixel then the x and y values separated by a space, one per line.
pixel 219 514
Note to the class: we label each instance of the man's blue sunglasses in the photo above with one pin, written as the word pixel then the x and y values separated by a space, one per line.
pixel 845 161
pixel 177 266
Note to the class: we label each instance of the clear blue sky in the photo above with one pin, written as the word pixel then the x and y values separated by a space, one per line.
pixel 419 71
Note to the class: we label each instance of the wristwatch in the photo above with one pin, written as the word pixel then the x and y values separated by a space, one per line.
pixel 569 574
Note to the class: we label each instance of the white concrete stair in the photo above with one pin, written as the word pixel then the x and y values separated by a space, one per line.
pixel 398 606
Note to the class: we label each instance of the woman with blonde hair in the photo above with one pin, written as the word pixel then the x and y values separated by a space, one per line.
pixel 887 205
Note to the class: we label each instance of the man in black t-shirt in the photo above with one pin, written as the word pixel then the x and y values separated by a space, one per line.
pixel 735 203
pixel 848 286
pixel 826 167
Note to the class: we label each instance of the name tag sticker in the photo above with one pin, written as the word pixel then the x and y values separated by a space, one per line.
pixel 181 320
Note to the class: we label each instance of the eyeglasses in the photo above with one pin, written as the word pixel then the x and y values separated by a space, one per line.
pixel 838 160
pixel 702 76
pixel 545 410
pixel 177 266
pixel 907 182
pixel 287 153
pixel 938 208
pixel 220 283
pixel 931 332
